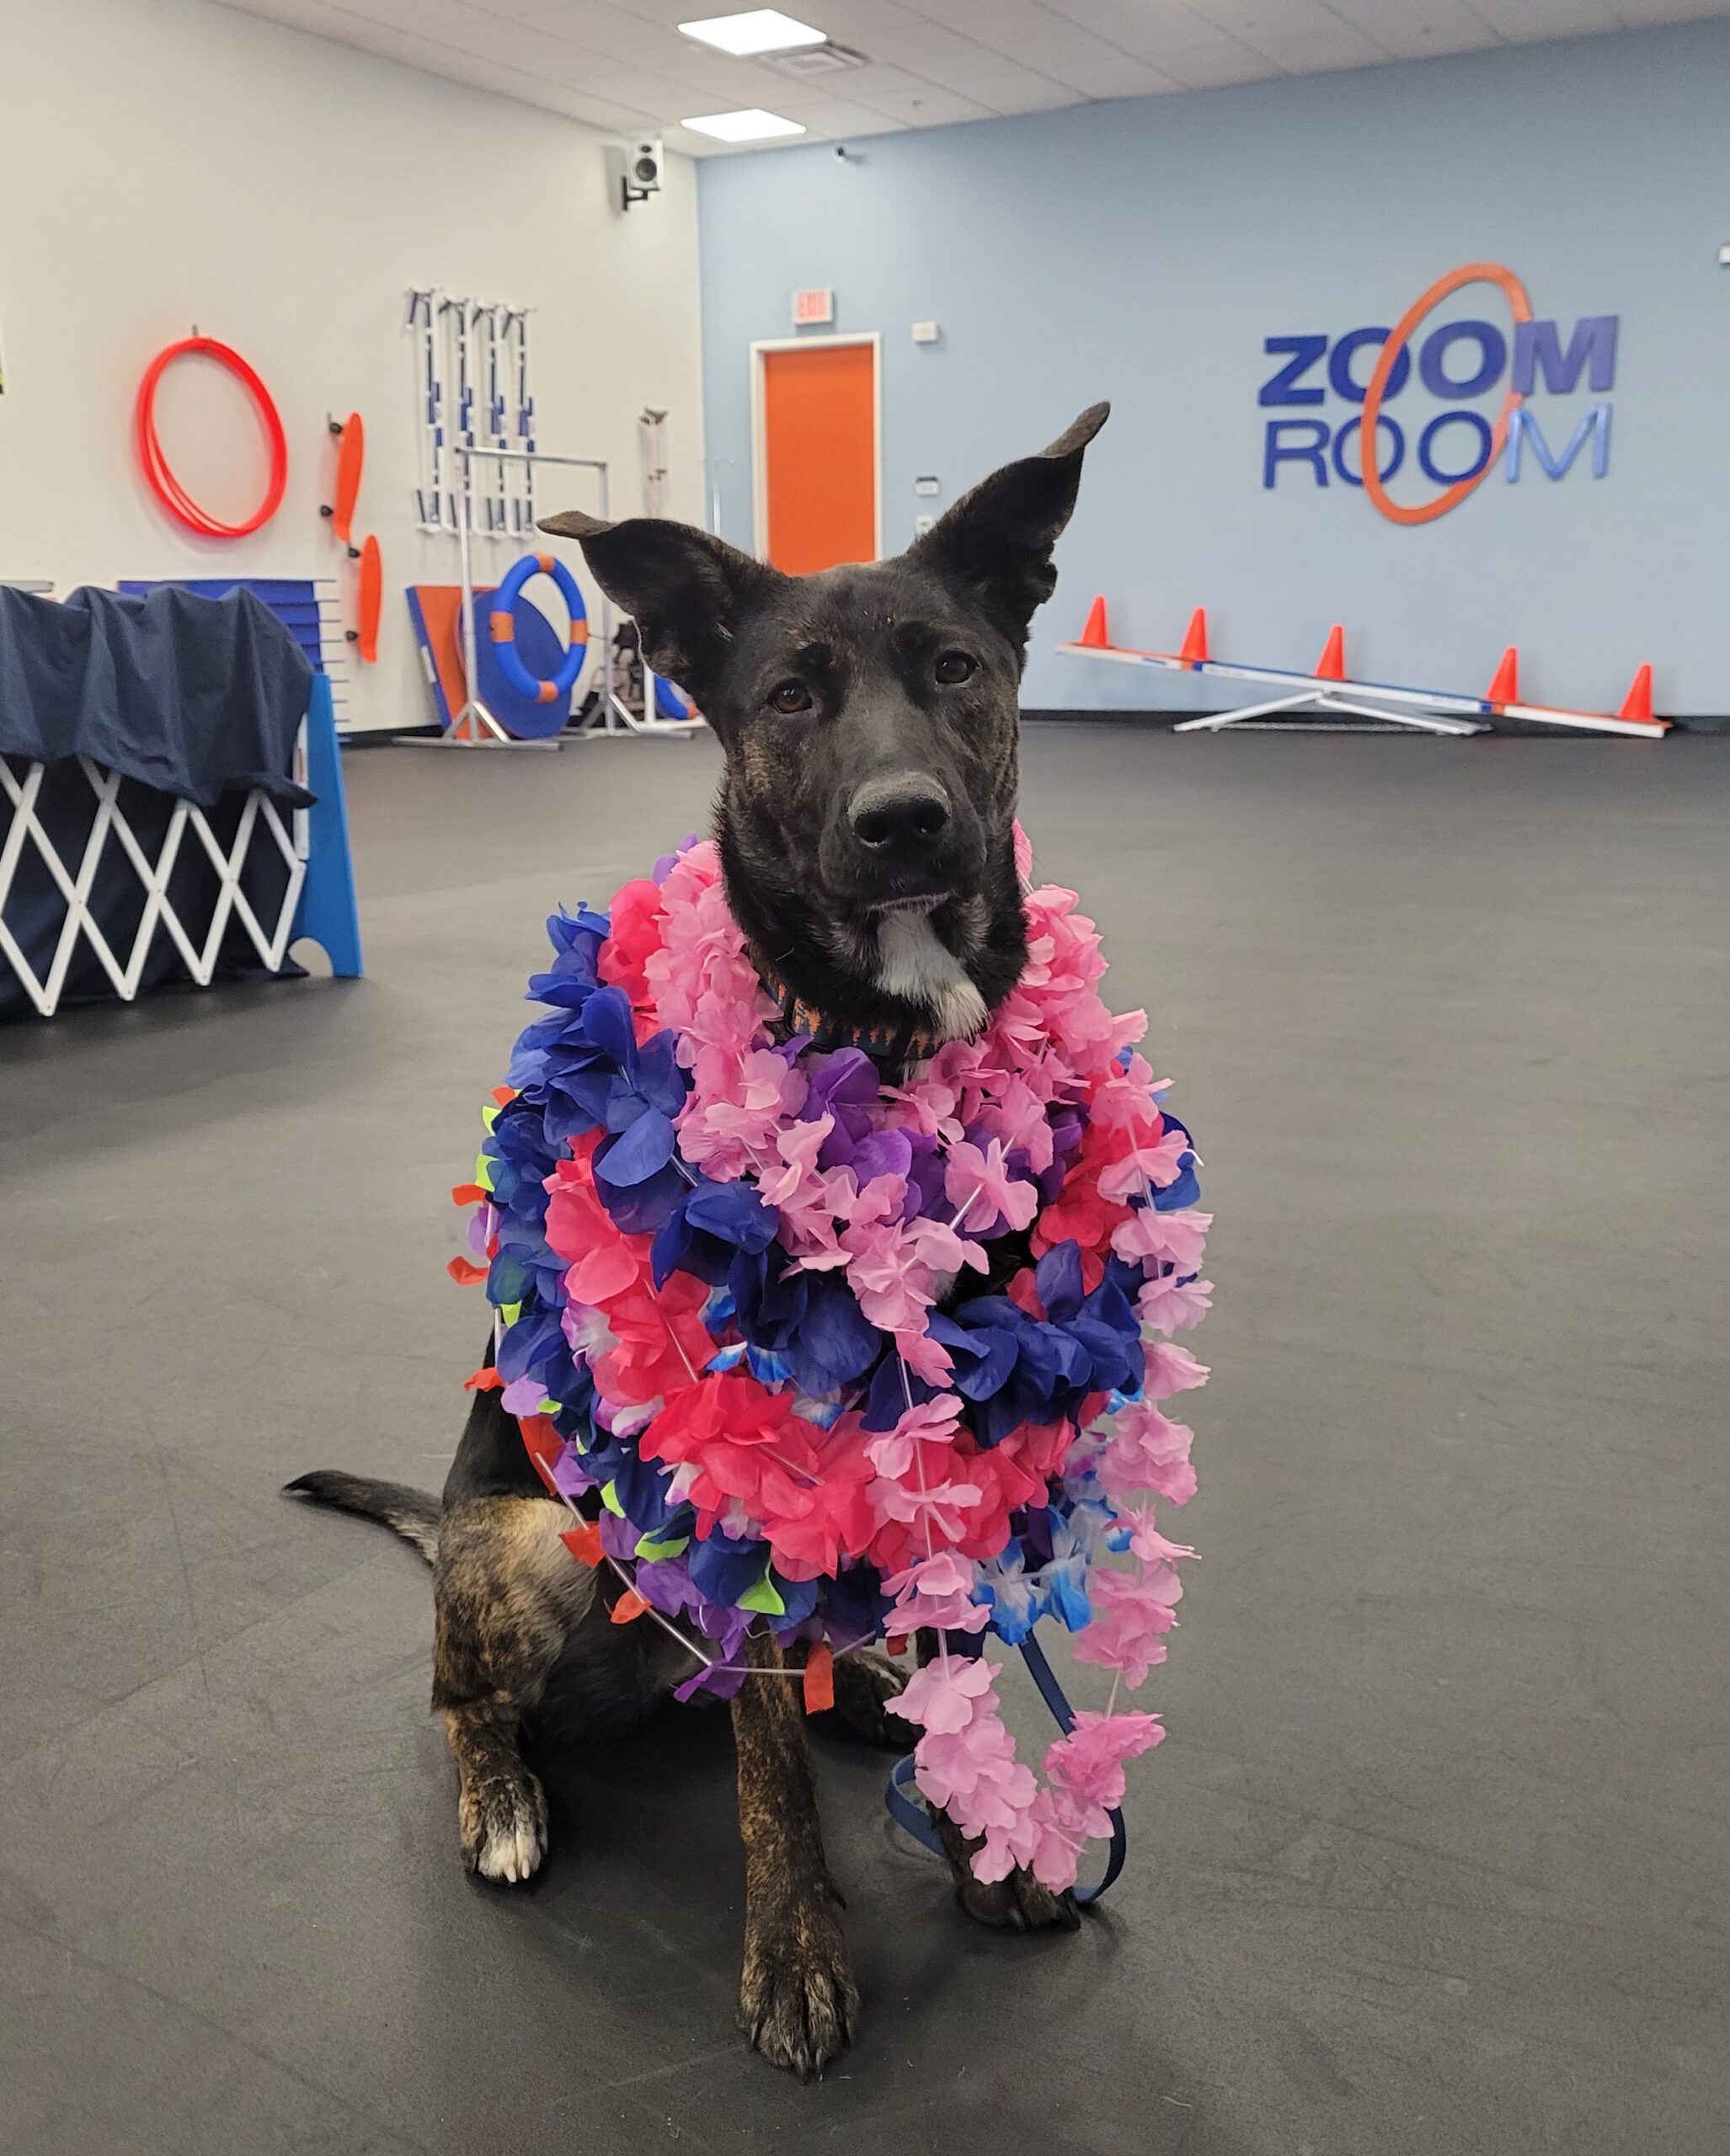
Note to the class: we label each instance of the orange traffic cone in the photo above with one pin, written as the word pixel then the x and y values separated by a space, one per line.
pixel 1332 664
pixel 1505 689
pixel 1194 647
pixel 1637 703
pixel 1095 636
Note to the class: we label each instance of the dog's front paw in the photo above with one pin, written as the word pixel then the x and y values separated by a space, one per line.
pixel 798 2002
pixel 502 1822
pixel 1016 1904
pixel 866 1687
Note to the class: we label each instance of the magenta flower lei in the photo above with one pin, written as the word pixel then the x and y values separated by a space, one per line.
pixel 718 1262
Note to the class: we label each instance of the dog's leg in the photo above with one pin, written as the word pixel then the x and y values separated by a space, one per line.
pixel 508 1597
pixel 867 1686
pixel 797 1999
pixel 1016 1904
pixel 501 1808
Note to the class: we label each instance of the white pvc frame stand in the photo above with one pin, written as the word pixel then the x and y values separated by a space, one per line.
pixel 475 726
pixel 1330 704
pixel 75 885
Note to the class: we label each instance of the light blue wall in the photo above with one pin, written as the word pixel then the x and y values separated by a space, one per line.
pixel 1143 250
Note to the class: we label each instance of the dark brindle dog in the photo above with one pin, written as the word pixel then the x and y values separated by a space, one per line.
pixel 868 718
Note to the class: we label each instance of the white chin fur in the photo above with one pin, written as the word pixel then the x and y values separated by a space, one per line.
pixel 915 963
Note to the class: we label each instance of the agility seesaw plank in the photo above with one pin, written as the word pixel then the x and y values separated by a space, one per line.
pixel 1435 712
pixel 1334 687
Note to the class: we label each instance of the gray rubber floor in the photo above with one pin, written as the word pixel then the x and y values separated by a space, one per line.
pixel 1436 1858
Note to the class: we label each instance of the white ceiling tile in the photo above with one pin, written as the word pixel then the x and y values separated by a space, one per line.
pixel 1414 29
pixel 865 24
pixel 928 49
pixel 1100 72
pixel 1063 47
pixel 1310 52
pixel 1214 66
pixel 636 89
pixel 830 117
pixel 601 113
pixel 612 32
pixel 1524 20
pixel 317 16
pixel 1643 11
pixel 1052 96
pixel 1254 23
pixel 939 55
pixel 621 64
pixel 909 98
pixel 1005 87
pixel 556 97
pixel 449 22
pixel 1150 30
pixel 548 11
pixel 1022 29
pixel 974 17
pixel 732 83
pixel 572 18
pixel 595 26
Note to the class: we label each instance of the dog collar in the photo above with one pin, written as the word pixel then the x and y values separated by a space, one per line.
pixel 890 1050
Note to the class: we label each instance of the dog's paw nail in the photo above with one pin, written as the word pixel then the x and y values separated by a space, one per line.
pixel 798 2004
pixel 504 1830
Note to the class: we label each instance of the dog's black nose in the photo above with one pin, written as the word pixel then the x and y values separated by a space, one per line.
pixel 893 817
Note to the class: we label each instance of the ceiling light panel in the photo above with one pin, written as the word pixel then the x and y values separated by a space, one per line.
pixel 753 126
pixel 760 29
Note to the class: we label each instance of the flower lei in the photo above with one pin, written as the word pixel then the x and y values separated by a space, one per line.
pixel 717 1263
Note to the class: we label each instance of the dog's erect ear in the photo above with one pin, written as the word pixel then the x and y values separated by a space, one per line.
pixel 997 539
pixel 683 588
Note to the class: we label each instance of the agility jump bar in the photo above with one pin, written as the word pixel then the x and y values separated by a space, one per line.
pixel 1329 683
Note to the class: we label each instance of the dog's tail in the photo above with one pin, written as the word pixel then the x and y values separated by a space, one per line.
pixel 412 1513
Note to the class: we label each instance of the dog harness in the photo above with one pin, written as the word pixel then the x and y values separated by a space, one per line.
pixel 730 1261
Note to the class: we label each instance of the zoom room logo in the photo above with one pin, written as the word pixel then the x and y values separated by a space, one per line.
pixel 1437 435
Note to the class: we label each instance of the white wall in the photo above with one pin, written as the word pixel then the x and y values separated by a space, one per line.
pixel 172 163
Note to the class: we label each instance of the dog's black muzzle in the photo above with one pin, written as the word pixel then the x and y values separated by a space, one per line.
pixel 898 838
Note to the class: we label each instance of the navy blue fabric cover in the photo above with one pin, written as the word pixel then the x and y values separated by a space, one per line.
pixel 294 600
pixel 189 696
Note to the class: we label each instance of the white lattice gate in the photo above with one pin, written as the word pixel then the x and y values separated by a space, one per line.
pixel 199 944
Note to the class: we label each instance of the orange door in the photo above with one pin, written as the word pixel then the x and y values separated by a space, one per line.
pixel 819 455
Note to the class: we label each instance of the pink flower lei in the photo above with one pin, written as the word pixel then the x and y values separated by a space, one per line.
pixel 733 1280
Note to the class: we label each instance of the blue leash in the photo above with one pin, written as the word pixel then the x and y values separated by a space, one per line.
pixel 907 1811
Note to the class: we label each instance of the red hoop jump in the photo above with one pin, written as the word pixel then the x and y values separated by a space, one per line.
pixel 167 489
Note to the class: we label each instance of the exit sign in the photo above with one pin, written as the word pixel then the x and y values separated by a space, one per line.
pixel 817 305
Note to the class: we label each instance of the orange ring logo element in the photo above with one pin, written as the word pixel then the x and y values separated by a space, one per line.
pixel 1519 306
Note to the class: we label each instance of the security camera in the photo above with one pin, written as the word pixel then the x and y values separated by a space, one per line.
pixel 633 171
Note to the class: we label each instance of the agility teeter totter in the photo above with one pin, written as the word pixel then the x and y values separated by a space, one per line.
pixel 1331 692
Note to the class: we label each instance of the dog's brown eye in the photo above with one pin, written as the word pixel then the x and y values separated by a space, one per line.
pixel 954 666
pixel 791 695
